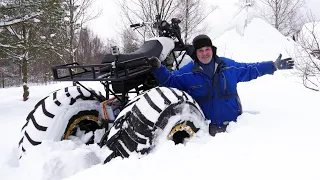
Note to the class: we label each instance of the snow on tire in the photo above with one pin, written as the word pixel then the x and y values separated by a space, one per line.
pixel 157 115
pixel 54 114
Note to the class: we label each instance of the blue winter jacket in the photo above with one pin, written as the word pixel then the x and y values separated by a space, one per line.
pixel 217 96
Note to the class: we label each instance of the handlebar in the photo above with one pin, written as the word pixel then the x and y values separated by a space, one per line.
pixel 140 24
pixel 135 25
pixel 164 28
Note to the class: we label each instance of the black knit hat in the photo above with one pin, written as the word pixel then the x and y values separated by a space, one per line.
pixel 201 41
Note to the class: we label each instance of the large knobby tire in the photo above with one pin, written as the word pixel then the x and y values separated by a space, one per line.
pixel 157 115
pixel 59 115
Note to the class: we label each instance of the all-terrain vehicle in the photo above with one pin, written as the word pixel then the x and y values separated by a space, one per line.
pixel 125 124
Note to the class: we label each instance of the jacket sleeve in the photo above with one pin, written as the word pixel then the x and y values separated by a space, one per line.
pixel 170 79
pixel 250 71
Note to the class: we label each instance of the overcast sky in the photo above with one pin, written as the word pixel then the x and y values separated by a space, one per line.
pixel 314 6
pixel 108 23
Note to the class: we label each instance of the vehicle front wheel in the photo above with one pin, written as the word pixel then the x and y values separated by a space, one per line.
pixel 157 115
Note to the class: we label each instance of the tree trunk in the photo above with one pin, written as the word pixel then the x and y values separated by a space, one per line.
pixel 71 55
pixel 277 14
pixel 187 21
pixel 2 80
pixel 72 29
pixel 25 66
pixel 25 79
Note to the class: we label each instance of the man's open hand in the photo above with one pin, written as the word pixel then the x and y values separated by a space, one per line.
pixel 281 64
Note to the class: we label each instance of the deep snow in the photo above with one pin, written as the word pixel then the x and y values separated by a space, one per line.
pixel 277 137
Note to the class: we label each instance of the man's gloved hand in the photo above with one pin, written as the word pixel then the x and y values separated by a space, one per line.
pixel 154 62
pixel 281 64
pixel 190 50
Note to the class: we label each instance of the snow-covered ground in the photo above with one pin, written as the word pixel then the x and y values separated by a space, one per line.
pixel 277 137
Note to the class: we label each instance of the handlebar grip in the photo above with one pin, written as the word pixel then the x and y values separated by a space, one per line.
pixel 135 25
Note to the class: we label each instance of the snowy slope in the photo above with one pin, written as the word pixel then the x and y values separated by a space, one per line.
pixel 277 137
pixel 260 42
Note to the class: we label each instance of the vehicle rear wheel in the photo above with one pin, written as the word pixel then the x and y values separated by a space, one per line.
pixel 64 114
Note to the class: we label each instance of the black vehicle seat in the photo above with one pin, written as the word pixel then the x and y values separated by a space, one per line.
pixel 148 49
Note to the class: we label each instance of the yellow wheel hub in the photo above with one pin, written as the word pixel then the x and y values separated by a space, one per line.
pixel 181 127
pixel 77 121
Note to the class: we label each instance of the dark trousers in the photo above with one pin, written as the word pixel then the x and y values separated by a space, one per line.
pixel 214 129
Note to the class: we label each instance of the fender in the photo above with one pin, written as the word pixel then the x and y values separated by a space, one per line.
pixel 167 46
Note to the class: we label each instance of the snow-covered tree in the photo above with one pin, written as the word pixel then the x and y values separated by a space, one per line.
pixel 36 34
pixel 18 34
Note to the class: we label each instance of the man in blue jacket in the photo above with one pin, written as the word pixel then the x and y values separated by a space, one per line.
pixel 212 80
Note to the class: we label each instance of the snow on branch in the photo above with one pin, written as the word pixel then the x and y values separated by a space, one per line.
pixel 7 46
pixel 18 20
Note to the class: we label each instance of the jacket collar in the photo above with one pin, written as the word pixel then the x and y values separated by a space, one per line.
pixel 218 64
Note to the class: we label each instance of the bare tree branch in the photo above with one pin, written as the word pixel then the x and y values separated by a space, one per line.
pixel 308 59
pixel 283 14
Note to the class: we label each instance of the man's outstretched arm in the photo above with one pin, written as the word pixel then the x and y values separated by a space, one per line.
pixel 164 77
pixel 249 71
